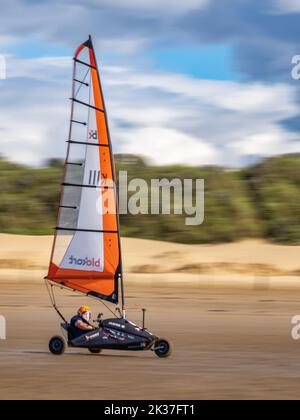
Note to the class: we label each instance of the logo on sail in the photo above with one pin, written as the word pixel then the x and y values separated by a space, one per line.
pixel 88 262
pixel 93 135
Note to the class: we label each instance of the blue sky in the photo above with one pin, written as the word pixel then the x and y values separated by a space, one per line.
pixel 34 48
pixel 216 62
pixel 169 74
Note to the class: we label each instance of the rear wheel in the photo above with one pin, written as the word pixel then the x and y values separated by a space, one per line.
pixel 57 345
pixel 163 348
pixel 95 351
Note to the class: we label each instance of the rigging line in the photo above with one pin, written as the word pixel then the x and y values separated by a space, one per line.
pixel 54 303
pixel 108 308
pixel 80 294
pixel 50 289
pixel 50 292
pixel 82 83
pixel 54 298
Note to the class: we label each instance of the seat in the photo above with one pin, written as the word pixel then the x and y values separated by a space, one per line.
pixel 68 329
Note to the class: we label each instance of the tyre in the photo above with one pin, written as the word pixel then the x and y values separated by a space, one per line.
pixel 163 348
pixel 95 351
pixel 57 345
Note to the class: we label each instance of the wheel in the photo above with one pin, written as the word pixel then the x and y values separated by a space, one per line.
pixel 57 345
pixel 163 348
pixel 95 351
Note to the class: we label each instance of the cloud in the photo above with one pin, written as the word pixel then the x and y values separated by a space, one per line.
pixel 167 146
pixel 43 68
pixel 234 96
pixel 274 141
pixel 170 118
pixel 33 121
pixel 287 6
pixel 158 6
pixel 246 114
pixel 122 46
pixel 221 122
pixel 264 41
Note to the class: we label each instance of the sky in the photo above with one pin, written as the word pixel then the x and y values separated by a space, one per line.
pixel 197 82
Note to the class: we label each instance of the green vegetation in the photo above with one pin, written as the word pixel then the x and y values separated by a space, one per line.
pixel 260 201
pixel 274 188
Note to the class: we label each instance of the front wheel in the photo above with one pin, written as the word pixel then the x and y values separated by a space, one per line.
pixel 57 345
pixel 95 351
pixel 163 348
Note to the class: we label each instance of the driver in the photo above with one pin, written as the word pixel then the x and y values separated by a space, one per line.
pixel 80 323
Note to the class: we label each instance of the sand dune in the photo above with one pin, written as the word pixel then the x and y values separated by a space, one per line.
pixel 229 342
pixel 251 257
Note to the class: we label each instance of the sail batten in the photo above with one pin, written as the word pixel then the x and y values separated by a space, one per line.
pixel 85 104
pixel 86 254
pixel 86 143
pixel 86 230
pixel 85 64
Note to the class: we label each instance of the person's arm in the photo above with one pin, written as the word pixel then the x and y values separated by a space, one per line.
pixel 82 326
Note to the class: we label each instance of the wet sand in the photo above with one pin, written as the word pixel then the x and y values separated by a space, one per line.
pixel 229 343
pixel 227 308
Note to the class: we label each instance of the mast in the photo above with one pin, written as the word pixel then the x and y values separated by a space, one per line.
pixel 121 280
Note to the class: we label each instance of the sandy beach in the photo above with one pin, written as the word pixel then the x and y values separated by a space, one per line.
pixel 227 309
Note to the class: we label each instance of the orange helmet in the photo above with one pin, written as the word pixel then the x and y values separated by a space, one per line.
pixel 83 309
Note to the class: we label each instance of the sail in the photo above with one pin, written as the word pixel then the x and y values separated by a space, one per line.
pixel 86 255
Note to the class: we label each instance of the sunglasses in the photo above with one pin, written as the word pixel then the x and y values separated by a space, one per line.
pixel 87 315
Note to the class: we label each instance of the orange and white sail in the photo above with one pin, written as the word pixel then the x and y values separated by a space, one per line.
pixel 86 254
